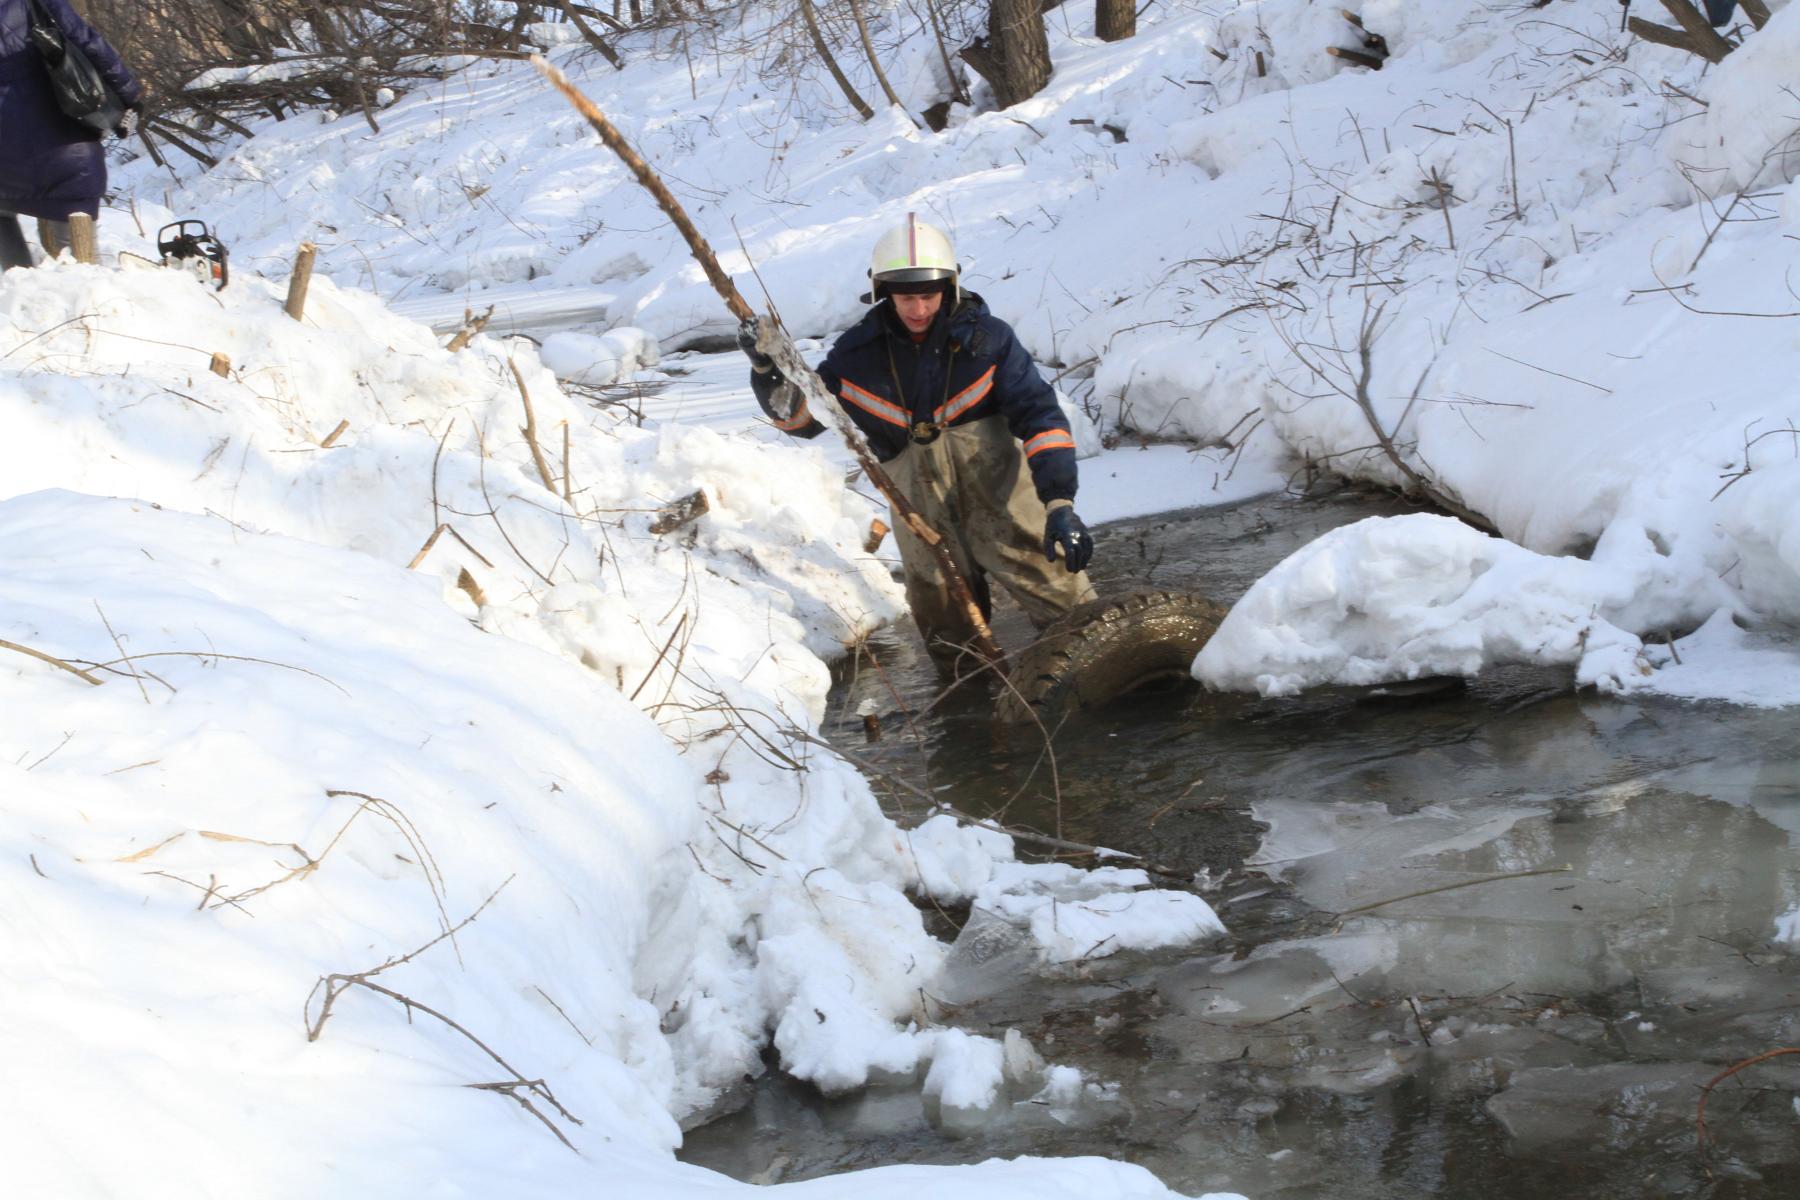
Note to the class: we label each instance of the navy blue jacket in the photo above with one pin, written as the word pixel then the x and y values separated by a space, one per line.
pixel 969 366
pixel 50 164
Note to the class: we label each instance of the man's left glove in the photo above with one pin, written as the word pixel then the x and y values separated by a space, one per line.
pixel 1063 528
pixel 761 363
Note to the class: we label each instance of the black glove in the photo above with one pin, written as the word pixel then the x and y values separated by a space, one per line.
pixel 1063 528
pixel 761 363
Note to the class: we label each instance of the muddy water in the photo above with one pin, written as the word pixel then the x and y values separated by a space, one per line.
pixel 1545 1028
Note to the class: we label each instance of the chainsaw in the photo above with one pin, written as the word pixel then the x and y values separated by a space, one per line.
pixel 191 246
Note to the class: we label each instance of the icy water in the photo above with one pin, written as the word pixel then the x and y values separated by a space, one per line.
pixel 1544 1034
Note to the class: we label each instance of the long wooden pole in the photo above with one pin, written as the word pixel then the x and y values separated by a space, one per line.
pixel 774 342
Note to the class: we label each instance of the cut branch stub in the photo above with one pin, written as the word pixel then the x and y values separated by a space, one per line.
pixel 685 511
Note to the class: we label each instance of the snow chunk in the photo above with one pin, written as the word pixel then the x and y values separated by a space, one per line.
pixel 599 361
pixel 954 860
pixel 1750 129
pixel 1787 927
pixel 1407 597
pixel 966 1077
pixel 1073 915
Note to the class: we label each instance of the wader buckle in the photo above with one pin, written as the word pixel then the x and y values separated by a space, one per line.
pixel 923 433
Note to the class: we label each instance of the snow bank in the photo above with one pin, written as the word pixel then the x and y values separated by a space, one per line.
pixel 1408 597
pixel 319 768
pixel 319 831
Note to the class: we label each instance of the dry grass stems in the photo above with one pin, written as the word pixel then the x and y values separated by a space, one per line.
pixel 519 1087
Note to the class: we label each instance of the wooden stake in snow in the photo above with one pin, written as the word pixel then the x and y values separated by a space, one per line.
pixel 300 280
pixel 82 238
pixel 772 340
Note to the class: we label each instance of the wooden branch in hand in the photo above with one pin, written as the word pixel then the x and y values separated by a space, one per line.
pixel 652 183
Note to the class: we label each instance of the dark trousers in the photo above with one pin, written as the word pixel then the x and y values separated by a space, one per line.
pixel 13 250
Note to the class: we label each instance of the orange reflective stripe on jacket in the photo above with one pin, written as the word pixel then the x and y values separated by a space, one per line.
pixel 966 399
pixel 1050 439
pixel 874 405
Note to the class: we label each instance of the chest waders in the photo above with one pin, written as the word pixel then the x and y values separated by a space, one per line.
pixel 970 482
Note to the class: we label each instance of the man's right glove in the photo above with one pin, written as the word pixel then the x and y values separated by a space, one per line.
pixel 1063 528
pixel 761 363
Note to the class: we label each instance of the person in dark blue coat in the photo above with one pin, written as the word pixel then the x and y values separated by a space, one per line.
pixel 954 408
pixel 51 165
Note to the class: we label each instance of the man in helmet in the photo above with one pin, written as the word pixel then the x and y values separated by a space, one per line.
pixel 953 407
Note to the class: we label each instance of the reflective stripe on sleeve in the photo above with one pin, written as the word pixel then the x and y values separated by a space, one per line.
pixel 1050 439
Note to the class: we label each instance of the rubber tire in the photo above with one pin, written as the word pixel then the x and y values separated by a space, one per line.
pixel 1106 648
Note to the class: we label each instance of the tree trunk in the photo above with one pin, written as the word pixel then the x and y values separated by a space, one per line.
pixel 958 92
pixel 818 40
pixel 1015 56
pixel 868 45
pixel 1115 20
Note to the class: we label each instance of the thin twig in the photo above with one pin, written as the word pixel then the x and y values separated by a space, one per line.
pixel 530 430
pixel 1450 887
pixel 1546 370
pixel 267 662
pixel 660 655
pixel 126 659
pixel 52 660
pixel 1702 1134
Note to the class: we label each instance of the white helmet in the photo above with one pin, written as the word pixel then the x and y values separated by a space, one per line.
pixel 913 253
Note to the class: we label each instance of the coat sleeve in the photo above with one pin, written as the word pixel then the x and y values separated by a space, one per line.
pixel 106 60
pixel 1035 418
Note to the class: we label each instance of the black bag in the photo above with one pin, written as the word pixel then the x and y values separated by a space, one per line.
pixel 80 90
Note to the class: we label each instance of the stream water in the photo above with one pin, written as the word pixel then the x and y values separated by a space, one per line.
pixel 1549 1033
